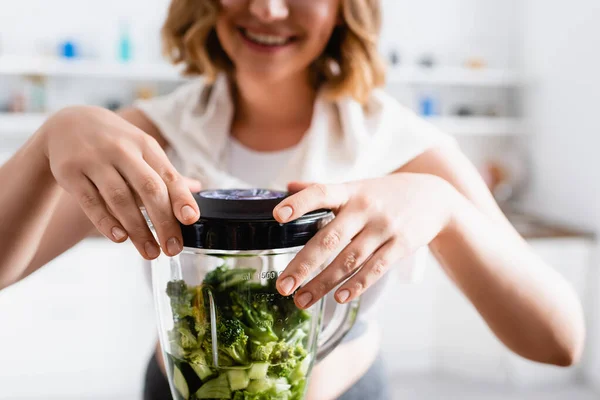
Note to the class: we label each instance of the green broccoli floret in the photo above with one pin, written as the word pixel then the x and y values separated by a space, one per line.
pixel 286 356
pixel 186 338
pixel 257 317
pixel 232 340
pixel 231 343
pixel 290 317
pixel 181 299
pixel 261 352
pixel 222 277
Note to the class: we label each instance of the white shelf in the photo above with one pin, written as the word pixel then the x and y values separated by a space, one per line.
pixel 453 76
pixel 26 124
pixel 479 126
pixel 53 67
pixel 161 71
pixel 20 124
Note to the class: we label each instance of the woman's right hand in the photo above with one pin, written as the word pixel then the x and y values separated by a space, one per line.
pixel 106 163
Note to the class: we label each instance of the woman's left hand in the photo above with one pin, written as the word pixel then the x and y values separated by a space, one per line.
pixel 378 220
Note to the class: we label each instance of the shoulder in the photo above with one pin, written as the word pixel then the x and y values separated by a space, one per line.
pixel 383 118
pixel 386 133
pixel 185 95
pixel 196 106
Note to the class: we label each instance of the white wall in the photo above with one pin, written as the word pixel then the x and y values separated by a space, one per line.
pixel 560 52
pixel 452 29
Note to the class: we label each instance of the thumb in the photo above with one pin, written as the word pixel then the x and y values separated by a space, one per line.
pixel 294 187
pixel 193 184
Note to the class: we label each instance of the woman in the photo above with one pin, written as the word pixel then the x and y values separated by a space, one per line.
pixel 288 94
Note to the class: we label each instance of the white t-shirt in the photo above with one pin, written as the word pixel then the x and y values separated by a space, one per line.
pixel 345 142
pixel 242 162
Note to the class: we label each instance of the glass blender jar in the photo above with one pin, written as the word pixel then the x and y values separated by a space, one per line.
pixel 225 331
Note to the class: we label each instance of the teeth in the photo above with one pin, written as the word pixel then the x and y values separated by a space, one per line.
pixel 269 40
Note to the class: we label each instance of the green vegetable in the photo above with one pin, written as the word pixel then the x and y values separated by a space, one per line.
pixel 301 370
pixel 180 383
pixel 200 366
pixel 238 379
pixel 260 339
pixel 217 388
pixel 260 385
pixel 262 352
pixel 258 370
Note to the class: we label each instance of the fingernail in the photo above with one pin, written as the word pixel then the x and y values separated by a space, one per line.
pixel 343 295
pixel 173 246
pixel 285 213
pixel 151 250
pixel 118 233
pixel 304 299
pixel 287 285
pixel 188 213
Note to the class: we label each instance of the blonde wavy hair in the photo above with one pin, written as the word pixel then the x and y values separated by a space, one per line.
pixel 350 65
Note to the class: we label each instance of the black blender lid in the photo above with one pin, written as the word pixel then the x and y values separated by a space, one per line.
pixel 242 219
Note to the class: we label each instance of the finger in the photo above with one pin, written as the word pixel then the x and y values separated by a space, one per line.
pixel 119 199
pixel 155 197
pixel 319 249
pixel 312 198
pixel 294 187
pixel 193 185
pixel 371 272
pixel 95 209
pixel 183 204
pixel 346 264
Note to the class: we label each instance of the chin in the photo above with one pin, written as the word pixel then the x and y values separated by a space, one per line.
pixel 270 73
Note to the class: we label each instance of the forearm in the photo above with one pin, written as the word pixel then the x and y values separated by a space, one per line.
pixel 29 195
pixel 527 304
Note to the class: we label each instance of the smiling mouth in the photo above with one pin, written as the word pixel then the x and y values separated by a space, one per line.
pixel 266 39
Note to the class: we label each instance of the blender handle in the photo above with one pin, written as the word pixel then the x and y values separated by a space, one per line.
pixel 342 321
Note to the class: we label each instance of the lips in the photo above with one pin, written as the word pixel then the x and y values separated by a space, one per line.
pixel 266 39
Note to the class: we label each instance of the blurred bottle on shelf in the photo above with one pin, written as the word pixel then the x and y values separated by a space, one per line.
pixel 17 102
pixel 145 92
pixel 113 105
pixel 35 93
pixel 125 45
pixel 429 104
pixel 427 61
pixel 68 49
pixel 394 58
pixel 465 111
pixel 475 63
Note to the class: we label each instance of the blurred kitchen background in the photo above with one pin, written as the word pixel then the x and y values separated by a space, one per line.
pixel 516 81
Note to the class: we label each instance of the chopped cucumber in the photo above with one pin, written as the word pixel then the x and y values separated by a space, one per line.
pixel 180 383
pixel 301 370
pixel 258 370
pixel 238 379
pixel 217 388
pixel 281 385
pixel 259 385
pixel 202 370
